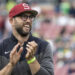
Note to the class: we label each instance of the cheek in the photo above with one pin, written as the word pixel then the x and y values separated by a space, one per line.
pixel 19 21
pixel 19 24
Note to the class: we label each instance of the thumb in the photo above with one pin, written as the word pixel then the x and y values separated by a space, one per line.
pixel 20 51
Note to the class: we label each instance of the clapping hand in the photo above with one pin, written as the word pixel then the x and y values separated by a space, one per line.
pixel 14 55
pixel 31 50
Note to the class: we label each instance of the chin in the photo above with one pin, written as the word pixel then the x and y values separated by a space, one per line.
pixel 25 34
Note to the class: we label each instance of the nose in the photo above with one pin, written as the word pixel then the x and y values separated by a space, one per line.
pixel 28 19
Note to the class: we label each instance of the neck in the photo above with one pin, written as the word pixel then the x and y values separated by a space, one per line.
pixel 20 38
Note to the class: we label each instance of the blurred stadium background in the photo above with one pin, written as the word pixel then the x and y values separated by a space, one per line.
pixel 55 23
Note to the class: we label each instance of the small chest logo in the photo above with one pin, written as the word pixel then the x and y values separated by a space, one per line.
pixel 7 52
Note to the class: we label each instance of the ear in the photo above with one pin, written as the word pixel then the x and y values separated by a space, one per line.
pixel 11 20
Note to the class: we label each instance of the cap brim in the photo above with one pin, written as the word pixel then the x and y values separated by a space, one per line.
pixel 34 12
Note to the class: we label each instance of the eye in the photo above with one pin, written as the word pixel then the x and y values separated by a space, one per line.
pixel 25 16
pixel 31 16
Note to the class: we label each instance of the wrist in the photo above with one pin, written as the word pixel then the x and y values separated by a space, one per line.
pixel 10 64
pixel 31 60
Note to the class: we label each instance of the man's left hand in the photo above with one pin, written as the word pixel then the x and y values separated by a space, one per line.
pixel 31 50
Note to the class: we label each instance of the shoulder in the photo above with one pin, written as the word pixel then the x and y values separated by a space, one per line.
pixel 3 45
pixel 5 42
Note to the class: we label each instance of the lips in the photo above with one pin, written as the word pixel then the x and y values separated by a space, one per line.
pixel 27 26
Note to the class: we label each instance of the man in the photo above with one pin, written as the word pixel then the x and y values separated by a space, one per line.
pixel 23 54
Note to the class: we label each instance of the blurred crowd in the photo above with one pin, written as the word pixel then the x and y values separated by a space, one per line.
pixel 55 23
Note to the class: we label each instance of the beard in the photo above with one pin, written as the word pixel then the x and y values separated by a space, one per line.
pixel 22 33
pixel 20 30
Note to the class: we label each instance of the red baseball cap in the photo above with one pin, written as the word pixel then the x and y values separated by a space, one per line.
pixel 20 8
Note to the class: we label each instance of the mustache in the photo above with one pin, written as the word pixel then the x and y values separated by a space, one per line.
pixel 26 23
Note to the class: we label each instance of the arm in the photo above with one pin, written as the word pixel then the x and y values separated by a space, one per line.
pixel 14 58
pixel 46 65
pixel 34 67
pixel 31 49
pixel 7 69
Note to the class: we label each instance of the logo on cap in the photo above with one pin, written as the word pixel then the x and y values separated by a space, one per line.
pixel 25 6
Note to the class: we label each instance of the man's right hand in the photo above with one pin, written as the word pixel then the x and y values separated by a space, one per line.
pixel 14 55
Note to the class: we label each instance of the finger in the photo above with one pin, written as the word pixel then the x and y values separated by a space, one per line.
pixel 31 50
pixel 20 51
pixel 10 55
pixel 29 43
pixel 15 49
pixel 16 46
pixel 28 49
pixel 33 46
pixel 33 43
pixel 27 55
pixel 29 46
pixel 28 52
